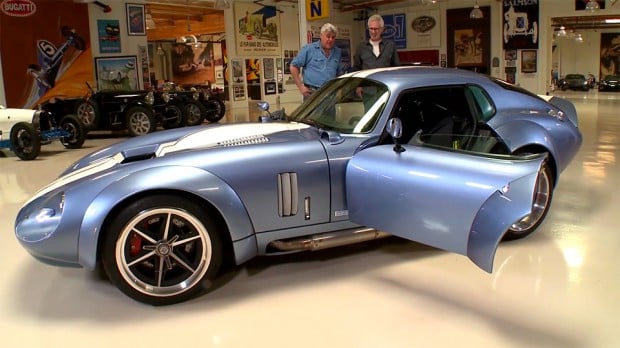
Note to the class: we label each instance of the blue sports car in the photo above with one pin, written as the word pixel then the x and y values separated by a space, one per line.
pixel 449 158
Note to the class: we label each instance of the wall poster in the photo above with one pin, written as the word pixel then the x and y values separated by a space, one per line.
pixel 469 45
pixel 520 24
pixel 257 29
pixel 610 54
pixel 117 73
pixel 109 36
pixel 46 52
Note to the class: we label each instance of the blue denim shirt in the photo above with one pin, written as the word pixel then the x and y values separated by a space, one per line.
pixel 318 69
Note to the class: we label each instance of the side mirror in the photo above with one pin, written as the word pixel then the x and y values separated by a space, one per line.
pixel 394 128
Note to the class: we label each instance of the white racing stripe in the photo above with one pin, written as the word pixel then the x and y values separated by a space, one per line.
pixel 212 137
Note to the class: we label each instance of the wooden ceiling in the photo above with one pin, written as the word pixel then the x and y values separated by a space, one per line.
pixel 176 18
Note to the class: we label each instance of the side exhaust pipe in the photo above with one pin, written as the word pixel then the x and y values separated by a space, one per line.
pixel 328 240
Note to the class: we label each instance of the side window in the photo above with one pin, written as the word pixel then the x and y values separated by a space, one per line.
pixel 441 116
pixel 482 103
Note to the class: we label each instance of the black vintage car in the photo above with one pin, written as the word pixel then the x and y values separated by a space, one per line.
pixel 212 100
pixel 139 112
pixel 194 111
pixel 118 110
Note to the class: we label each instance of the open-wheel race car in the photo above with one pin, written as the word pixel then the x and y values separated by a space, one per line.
pixel 23 131
pixel 371 154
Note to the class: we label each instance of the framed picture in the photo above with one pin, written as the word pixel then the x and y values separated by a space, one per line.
pixel 109 35
pixel 117 73
pixel 510 54
pixel 136 24
pixel 528 61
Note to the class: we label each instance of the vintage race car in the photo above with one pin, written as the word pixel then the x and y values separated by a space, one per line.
pixel 449 158
pixel 23 131
pixel 118 110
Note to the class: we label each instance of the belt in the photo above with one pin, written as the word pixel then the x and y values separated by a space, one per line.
pixel 311 86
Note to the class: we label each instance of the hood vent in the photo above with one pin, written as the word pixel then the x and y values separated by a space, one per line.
pixel 249 140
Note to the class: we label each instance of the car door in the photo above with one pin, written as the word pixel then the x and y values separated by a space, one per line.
pixel 454 200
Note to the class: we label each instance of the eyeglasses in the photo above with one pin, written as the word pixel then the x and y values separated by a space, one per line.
pixel 374 29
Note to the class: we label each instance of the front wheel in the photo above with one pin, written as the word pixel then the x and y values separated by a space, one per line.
pixel 173 116
pixel 162 249
pixel 543 193
pixel 74 127
pixel 87 112
pixel 139 121
pixel 25 141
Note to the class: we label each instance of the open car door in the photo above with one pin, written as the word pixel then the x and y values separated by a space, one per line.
pixel 454 200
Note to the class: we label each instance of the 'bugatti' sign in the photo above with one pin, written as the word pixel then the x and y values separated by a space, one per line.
pixel 18 8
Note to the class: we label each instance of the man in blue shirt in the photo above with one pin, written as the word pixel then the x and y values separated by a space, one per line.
pixel 319 60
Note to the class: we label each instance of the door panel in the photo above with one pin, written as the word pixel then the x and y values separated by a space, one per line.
pixel 441 197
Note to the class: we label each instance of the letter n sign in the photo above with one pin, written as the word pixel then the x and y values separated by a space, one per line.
pixel 317 9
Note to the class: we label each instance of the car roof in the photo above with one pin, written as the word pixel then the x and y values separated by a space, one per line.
pixel 419 76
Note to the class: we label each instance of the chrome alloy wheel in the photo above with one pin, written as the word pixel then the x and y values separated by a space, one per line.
pixel 86 114
pixel 140 123
pixel 163 252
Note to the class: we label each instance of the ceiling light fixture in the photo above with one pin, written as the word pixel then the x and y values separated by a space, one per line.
pixel 562 32
pixel 592 5
pixel 476 12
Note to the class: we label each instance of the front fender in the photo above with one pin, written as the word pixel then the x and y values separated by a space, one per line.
pixel 188 180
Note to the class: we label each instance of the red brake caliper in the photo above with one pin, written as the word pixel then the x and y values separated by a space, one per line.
pixel 136 244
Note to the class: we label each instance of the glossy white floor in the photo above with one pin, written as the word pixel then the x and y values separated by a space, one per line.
pixel 558 288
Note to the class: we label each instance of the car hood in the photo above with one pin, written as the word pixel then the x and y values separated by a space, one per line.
pixel 164 143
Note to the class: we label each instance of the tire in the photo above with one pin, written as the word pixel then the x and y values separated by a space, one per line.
pixel 25 141
pixel 540 207
pixel 71 124
pixel 195 113
pixel 162 249
pixel 88 113
pixel 139 121
pixel 174 116
pixel 215 109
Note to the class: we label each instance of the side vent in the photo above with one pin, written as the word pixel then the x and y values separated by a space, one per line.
pixel 288 194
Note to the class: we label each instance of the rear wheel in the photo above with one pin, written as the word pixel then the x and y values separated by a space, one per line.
pixel 541 203
pixel 195 113
pixel 73 126
pixel 215 109
pixel 139 121
pixel 162 249
pixel 25 141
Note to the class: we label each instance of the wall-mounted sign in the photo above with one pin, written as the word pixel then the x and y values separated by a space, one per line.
pixel 18 8
pixel 317 9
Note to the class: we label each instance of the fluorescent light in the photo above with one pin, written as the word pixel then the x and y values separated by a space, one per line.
pixel 612 20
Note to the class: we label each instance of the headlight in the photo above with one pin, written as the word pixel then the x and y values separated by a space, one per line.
pixel 166 96
pixel 42 222
pixel 195 95
pixel 149 98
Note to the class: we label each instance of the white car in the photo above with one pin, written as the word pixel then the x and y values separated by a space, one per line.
pixel 23 131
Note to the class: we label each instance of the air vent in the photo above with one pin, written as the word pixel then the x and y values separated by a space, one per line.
pixel 288 194
pixel 249 140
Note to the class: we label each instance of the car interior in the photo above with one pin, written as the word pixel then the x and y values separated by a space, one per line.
pixel 446 116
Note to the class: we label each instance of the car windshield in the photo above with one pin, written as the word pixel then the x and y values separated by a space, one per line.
pixel 349 105
pixel 575 77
